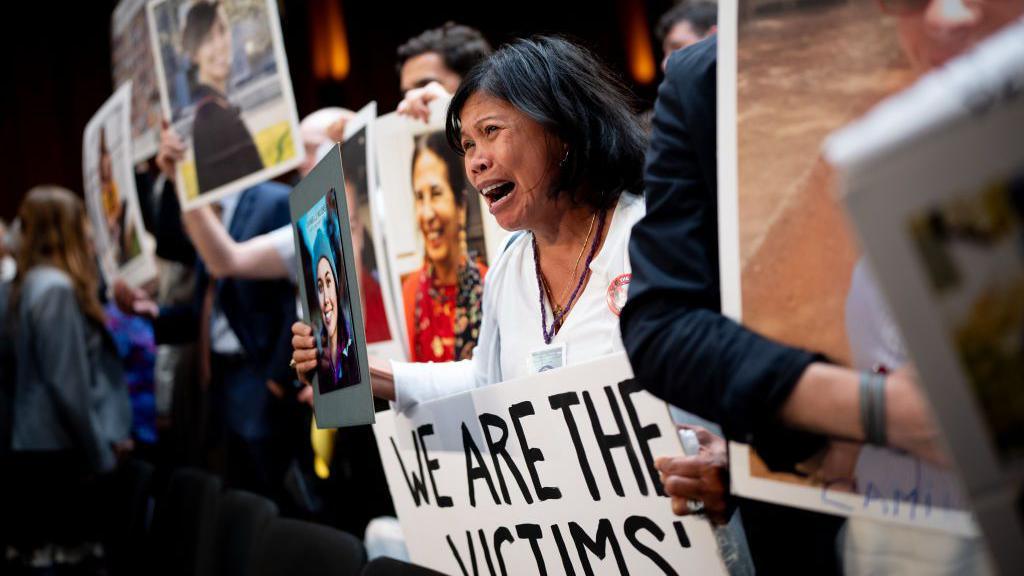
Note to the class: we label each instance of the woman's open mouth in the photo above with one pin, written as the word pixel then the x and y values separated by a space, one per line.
pixel 497 194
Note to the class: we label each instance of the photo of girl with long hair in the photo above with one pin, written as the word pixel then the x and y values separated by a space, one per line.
pixel 328 295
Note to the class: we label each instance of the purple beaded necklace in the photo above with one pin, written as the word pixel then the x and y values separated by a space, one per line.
pixel 559 316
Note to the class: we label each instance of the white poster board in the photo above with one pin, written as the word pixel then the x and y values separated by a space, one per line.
pixel 477 239
pixel 358 159
pixel 125 249
pixel 548 473
pixel 224 85
pixel 934 180
pixel 788 76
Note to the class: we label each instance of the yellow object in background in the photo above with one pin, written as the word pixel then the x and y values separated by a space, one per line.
pixel 275 143
pixel 188 176
pixel 323 450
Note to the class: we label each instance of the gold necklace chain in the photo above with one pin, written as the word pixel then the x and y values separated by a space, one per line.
pixel 568 283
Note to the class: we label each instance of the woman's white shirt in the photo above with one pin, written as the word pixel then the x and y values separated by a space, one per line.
pixel 511 330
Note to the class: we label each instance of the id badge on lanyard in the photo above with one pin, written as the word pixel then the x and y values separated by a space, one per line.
pixel 546 358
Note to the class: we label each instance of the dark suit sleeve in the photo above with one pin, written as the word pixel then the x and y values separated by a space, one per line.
pixel 144 182
pixel 171 241
pixel 681 348
pixel 279 371
pixel 176 324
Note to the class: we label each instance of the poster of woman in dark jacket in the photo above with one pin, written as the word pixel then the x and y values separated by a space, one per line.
pixel 224 87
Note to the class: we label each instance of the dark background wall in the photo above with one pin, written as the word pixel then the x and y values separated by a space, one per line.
pixel 57 57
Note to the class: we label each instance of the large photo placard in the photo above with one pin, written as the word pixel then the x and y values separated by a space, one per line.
pixel 440 236
pixel 329 293
pixel 934 181
pixel 358 157
pixel 225 88
pixel 125 250
pixel 552 473
pixel 132 60
pixel 789 75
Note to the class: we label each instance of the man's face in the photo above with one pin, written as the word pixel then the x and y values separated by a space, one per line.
pixel 425 68
pixel 933 32
pixel 680 36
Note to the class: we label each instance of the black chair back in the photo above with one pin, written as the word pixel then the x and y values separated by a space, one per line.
pixel 183 536
pixel 298 548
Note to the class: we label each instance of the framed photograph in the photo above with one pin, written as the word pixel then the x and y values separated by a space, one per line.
pixel 125 250
pixel 934 182
pixel 328 288
pixel 383 331
pixel 132 60
pixel 789 75
pixel 440 237
pixel 224 85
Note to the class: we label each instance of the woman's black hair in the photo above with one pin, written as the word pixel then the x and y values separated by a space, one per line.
pixel 576 98
pixel 198 22
pixel 436 143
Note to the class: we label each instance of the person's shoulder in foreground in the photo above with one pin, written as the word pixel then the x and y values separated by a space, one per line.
pixel 681 347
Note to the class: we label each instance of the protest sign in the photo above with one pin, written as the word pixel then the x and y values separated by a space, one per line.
pixel 551 472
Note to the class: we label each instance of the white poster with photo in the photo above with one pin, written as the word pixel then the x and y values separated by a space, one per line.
pixel 125 250
pixel 440 236
pixel 934 181
pixel 224 85
pixel 789 75
pixel 132 60
pixel 383 331
pixel 554 472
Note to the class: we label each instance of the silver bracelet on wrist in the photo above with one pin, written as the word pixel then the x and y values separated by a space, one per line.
pixel 872 408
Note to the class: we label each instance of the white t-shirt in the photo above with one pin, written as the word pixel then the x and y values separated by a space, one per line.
pixel 511 327
pixel 283 242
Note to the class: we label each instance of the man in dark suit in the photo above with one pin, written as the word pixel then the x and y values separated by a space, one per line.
pixel 679 344
pixel 244 327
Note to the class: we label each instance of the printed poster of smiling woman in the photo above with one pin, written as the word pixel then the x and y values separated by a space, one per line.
pixel 440 237
pixel 224 85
